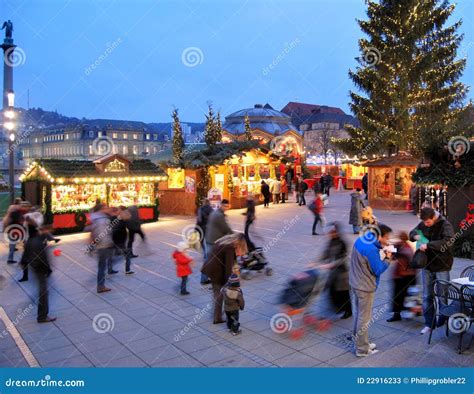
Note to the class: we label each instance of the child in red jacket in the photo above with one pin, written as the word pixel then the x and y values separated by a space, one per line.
pixel 317 208
pixel 183 265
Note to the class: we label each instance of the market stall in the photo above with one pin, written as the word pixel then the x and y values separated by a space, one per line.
pixel 232 171
pixel 67 190
pixel 390 181
pixel 350 174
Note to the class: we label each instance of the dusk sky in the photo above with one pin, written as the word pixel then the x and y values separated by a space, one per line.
pixel 165 54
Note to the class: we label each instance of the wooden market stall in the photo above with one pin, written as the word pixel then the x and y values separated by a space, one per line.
pixel 229 171
pixel 350 174
pixel 390 181
pixel 66 190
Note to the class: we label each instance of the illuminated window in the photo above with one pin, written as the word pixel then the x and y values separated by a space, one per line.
pixel 135 149
pixel 114 135
pixel 125 136
pixel 125 150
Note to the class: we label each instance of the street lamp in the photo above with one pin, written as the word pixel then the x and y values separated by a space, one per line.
pixel 9 126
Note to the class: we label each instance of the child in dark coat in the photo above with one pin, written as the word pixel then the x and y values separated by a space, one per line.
pixel 233 302
pixel 183 265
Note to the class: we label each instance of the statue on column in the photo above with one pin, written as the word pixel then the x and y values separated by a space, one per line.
pixel 8 26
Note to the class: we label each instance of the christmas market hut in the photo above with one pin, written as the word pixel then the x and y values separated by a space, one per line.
pixel 445 181
pixel 66 190
pixel 229 171
pixel 390 181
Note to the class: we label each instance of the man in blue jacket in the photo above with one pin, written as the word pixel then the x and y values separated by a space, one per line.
pixel 368 261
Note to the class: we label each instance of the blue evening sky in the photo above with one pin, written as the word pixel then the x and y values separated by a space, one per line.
pixel 149 56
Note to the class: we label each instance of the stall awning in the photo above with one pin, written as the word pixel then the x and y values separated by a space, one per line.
pixel 400 159
pixel 114 166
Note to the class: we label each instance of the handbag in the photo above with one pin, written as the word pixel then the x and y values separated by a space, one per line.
pixel 420 260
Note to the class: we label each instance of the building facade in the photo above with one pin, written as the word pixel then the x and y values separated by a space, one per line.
pixel 85 143
pixel 267 125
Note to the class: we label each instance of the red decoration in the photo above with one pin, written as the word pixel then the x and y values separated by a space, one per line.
pixel 57 252
pixel 64 220
pixel 145 213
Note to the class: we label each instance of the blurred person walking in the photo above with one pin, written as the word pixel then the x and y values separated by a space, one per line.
pixel 403 276
pixel 355 215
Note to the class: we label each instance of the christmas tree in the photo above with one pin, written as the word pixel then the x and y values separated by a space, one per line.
pixel 210 130
pixel 248 129
pixel 409 75
pixel 178 140
pixel 218 128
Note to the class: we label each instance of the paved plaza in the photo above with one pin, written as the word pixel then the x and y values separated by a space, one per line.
pixel 144 321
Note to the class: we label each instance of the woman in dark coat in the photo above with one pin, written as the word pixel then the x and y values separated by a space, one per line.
pixel 335 256
pixel 355 216
pixel 219 266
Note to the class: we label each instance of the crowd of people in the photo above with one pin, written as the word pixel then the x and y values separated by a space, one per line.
pixel 353 276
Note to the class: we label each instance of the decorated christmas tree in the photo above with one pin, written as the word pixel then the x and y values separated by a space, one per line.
pixel 178 140
pixel 408 78
pixel 248 129
pixel 218 130
pixel 210 130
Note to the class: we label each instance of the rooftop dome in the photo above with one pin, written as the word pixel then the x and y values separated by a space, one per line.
pixel 262 117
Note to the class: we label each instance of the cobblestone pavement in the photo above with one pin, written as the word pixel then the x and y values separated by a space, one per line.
pixel 144 321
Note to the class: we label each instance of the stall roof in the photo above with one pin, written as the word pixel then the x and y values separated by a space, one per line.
pixel 401 159
pixel 77 168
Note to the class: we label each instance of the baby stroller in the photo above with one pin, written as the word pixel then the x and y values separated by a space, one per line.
pixel 254 261
pixel 295 298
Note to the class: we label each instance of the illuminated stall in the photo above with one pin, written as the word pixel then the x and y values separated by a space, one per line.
pixel 231 171
pixel 390 179
pixel 67 190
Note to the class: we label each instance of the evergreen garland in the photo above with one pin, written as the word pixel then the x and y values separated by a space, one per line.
pixel 410 76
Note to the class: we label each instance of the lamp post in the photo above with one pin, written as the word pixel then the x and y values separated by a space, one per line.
pixel 9 126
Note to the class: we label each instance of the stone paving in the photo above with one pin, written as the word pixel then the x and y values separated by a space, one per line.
pixel 144 322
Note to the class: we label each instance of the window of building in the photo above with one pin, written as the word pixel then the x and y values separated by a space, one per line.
pixel 99 134
pixel 91 134
pixel 135 149
pixel 125 150
pixel 135 136
pixel 155 137
pixel 147 136
pixel 125 136
pixel 114 135
pixel 90 150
